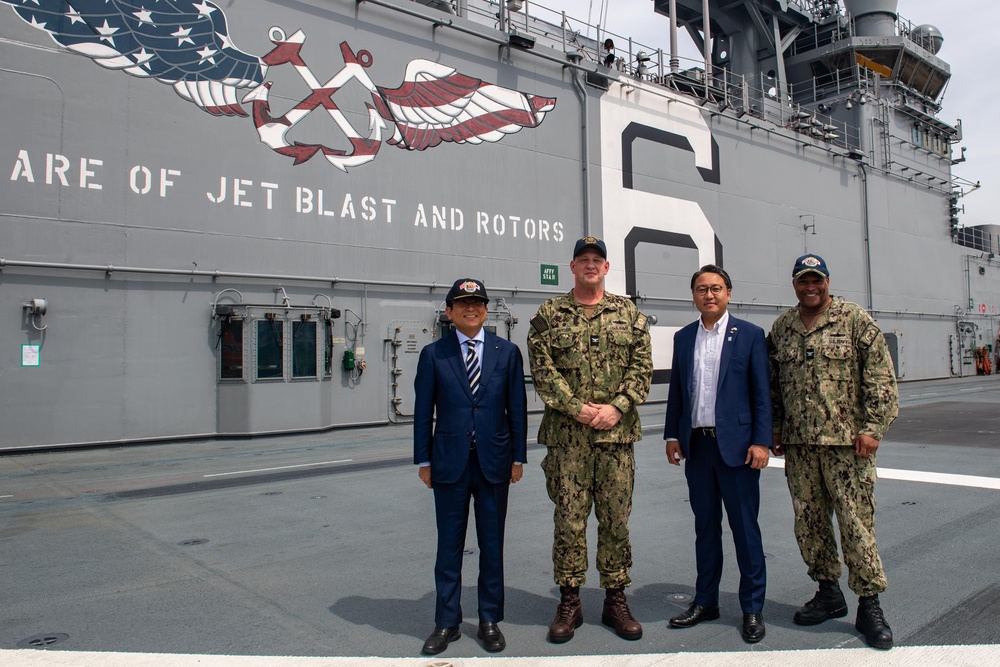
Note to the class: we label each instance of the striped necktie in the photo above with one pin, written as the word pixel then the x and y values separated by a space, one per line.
pixel 472 367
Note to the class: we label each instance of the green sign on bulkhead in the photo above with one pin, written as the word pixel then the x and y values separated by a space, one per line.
pixel 550 274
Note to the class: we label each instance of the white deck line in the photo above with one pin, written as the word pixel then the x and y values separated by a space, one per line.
pixel 898 474
pixel 298 465
pixel 973 481
pixel 901 656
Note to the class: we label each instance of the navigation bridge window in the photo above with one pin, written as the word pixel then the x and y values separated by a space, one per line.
pixel 290 349
pixel 277 344
pixel 270 347
pixel 304 348
pixel 231 347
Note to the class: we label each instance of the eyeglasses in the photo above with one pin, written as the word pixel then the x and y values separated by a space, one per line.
pixel 471 304
pixel 702 290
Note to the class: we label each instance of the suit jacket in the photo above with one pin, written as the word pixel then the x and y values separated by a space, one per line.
pixel 498 416
pixel 743 400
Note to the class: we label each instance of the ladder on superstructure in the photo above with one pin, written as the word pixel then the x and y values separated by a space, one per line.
pixel 883 119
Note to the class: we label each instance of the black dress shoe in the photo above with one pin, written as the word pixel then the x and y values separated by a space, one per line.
pixel 493 640
pixel 440 638
pixel 753 628
pixel 694 615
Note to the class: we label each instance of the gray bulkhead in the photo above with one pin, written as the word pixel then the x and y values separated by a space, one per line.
pixel 162 236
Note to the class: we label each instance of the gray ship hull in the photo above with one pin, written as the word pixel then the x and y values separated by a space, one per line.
pixel 210 275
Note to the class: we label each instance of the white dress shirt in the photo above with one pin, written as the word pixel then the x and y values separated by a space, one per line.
pixel 707 360
pixel 480 339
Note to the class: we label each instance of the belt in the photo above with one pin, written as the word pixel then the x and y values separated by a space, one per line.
pixel 704 431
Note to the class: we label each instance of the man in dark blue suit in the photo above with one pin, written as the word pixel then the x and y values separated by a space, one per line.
pixel 474 382
pixel 719 419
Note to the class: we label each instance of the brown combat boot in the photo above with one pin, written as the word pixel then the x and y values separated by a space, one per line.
pixel 618 616
pixel 569 615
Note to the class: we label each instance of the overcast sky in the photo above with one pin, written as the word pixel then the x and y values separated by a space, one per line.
pixel 972 94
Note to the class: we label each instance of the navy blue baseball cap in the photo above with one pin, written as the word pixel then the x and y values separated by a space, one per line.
pixel 810 264
pixel 467 288
pixel 590 242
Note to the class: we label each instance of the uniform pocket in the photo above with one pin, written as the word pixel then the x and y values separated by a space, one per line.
pixel 789 358
pixel 620 344
pixel 564 346
pixel 789 354
pixel 549 466
pixel 839 361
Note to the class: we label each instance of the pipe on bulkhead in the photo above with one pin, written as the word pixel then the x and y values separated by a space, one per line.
pixel 675 61
pixel 868 229
pixel 582 90
pixel 707 42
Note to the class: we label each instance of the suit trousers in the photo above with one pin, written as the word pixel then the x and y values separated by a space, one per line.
pixel 451 505
pixel 711 485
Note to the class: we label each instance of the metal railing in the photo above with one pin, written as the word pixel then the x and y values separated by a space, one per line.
pixel 978 239
pixel 757 95
pixel 907 29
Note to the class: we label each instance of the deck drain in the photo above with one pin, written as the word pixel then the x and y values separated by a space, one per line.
pixel 678 597
pixel 272 493
pixel 318 497
pixel 43 641
pixel 191 543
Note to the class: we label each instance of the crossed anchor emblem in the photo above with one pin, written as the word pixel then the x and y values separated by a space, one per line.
pixel 434 104
pixel 273 131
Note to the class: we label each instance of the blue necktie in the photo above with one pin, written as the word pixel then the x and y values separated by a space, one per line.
pixel 472 367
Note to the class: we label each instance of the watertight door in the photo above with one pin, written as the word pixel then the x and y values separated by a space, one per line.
pixel 406 338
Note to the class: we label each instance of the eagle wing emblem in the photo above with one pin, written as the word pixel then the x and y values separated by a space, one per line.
pixel 182 43
pixel 435 103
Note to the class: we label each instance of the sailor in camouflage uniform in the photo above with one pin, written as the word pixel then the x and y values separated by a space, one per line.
pixel 833 392
pixel 591 362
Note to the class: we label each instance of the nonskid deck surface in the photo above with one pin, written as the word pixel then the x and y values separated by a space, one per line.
pixel 321 547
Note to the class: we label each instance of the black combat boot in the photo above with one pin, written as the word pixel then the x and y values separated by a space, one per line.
pixel 569 615
pixel 828 602
pixel 871 623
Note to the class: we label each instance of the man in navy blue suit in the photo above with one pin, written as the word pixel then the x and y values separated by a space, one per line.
pixel 474 382
pixel 719 419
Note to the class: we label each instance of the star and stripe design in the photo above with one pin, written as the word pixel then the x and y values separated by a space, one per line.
pixel 186 44
pixel 183 43
pixel 435 103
